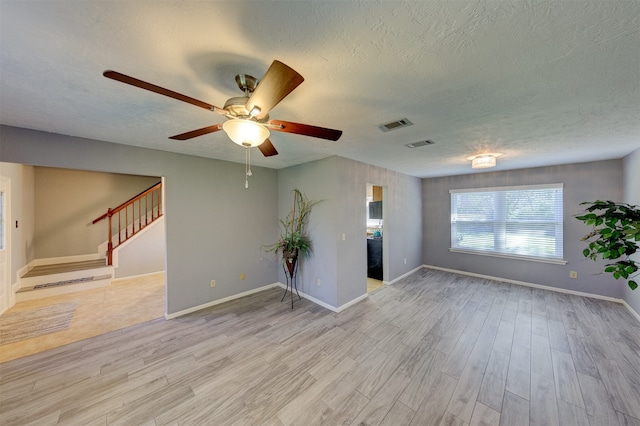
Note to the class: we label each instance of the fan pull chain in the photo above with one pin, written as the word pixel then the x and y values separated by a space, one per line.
pixel 247 167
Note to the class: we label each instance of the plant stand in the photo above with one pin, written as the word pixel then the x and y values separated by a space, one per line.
pixel 291 283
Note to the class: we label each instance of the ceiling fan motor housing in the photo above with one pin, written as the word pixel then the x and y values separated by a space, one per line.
pixel 247 83
pixel 237 108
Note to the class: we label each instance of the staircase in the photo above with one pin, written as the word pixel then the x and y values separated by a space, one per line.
pixel 52 277
pixel 131 217
pixel 62 278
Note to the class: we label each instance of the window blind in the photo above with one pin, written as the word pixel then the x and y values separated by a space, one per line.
pixel 522 221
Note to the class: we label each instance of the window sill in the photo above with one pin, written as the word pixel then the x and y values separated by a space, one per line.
pixel 511 256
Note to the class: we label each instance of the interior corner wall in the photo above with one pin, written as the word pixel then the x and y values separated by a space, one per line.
pixel 317 180
pixel 341 265
pixel 22 207
pixel 632 196
pixel 67 201
pixel 214 226
pixel 582 182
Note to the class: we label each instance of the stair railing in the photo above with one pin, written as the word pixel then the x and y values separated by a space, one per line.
pixel 138 212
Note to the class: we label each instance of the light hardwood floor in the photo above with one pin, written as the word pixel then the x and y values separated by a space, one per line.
pixel 433 349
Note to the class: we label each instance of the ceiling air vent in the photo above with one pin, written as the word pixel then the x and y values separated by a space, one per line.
pixel 419 144
pixel 403 122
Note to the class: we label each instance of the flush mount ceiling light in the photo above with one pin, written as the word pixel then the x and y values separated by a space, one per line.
pixel 245 133
pixel 483 161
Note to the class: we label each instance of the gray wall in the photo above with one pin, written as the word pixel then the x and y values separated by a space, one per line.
pixel 582 182
pixel 67 201
pixel 214 226
pixel 144 254
pixel 22 210
pixel 318 180
pixel 632 196
pixel 402 207
pixel 341 265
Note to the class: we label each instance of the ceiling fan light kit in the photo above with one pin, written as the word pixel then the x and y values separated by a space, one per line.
pixel 248 116
pixel 245 132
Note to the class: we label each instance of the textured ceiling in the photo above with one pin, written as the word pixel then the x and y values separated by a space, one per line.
pixel 541 82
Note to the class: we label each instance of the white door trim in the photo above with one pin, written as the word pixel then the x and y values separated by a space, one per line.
pixel 7 296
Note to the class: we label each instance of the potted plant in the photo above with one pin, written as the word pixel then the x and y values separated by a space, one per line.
pixel 615 236
pixel 293 244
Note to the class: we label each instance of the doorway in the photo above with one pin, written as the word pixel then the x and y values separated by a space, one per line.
pixel 129 300
pixel 375 236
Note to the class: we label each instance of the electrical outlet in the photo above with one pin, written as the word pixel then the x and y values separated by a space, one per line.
pixel 573 274
pixel 344 237
pixel 318 283
pixel 213 283
pixel 405 260
pixel 242 276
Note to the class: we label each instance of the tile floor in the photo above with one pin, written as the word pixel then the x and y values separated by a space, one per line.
pixel 126 302
pixel 373 285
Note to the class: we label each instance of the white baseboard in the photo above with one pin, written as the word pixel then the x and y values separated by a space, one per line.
pixel 257 290
pixel 403 276
pixel 325 304
pixel 352 302
pixel 526 284
pixel 631 310
pixel 147 274
pixel 311 298
pixel 217 302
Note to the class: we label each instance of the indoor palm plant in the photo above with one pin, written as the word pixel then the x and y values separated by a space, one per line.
pixel 615 236
pixel 293 243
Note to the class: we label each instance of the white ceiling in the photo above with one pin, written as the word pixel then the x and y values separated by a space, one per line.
pixel 543 82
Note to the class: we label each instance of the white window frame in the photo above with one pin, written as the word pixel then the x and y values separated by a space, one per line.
pixel 500 224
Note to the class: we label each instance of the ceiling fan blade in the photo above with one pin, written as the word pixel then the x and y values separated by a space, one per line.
pixel 305 129
pixel 267 149
pixel 278 82
pixel 114 75
pixel 196 133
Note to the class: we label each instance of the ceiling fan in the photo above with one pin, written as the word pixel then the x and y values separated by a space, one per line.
pixel 248 123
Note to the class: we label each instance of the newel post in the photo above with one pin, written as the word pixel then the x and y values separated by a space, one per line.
pixel 110 243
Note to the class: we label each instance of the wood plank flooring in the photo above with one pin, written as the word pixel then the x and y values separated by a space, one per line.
pixel 433 349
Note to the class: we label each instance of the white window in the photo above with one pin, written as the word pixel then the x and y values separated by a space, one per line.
pixel 523 221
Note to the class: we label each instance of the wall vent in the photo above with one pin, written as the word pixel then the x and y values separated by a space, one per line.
pixel 403 122
pixel 419 144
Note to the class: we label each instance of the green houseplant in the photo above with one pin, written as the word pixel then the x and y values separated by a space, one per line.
pixel 615 236
pixel 293 244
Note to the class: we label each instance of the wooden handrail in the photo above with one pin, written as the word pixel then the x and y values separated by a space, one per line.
pixel 155 209
pixel 129 201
